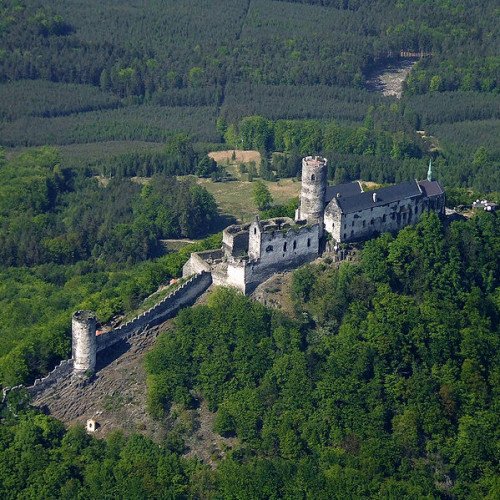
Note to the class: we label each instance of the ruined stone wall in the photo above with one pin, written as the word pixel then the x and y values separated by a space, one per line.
pixel 288 244
pixel 166 308
pixel 235 240
pixel 197 262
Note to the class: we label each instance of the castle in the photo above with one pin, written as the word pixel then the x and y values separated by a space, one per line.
pixel 253 252
pixel 345 213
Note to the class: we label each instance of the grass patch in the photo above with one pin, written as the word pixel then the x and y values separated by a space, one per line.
pixel 236 197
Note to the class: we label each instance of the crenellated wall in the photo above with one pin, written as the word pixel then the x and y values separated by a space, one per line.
pixel 60 373
pixel 183 296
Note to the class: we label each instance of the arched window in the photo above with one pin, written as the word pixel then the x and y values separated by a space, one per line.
pixel 294 244
pixel 313 177
pixel 284 247
pixel 254 230
pixel 308 242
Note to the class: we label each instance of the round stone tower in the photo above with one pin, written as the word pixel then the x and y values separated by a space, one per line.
pixel 84 343
pixel 312 194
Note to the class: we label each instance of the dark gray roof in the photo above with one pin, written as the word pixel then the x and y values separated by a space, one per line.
pixel 431 188
pixel 385 195
pixel 345 190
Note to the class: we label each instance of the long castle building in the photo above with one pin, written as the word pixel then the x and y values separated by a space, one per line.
pixel 253 252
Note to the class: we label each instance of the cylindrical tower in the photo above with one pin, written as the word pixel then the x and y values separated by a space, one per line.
pixel 312 194
pixel 84 344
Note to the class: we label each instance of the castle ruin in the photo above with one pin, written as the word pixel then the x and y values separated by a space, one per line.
pixel 345 213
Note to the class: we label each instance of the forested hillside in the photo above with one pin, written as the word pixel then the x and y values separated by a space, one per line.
pixel 77 73
pixel 385 382
pixel 387 387
pixel 68 241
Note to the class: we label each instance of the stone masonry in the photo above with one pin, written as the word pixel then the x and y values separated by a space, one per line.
pixel 251 253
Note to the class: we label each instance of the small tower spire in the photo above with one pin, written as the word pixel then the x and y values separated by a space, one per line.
pixel 429 172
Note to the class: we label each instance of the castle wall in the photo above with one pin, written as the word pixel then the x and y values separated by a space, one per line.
pixel 286 244
pixel 236 274
pixel 166 308
pixel 235 240
pixel 200 262
pixel 282 250
pixel 61 373
pixel 257 272
pixel 333 220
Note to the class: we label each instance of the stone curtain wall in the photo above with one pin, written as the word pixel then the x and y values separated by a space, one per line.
pixel 166 308
pixel 60 373
pixel 183 296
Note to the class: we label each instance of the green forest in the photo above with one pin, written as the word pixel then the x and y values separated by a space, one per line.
pixel 383 382
pixel 384 386
pixel 73 74
pixel 68 241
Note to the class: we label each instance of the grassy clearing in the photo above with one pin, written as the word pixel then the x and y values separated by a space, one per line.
pixel 236 197
pixel 232 159
pixel 240 156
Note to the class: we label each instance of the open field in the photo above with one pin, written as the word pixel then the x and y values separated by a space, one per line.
pixel 240 156
pixel 236 197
